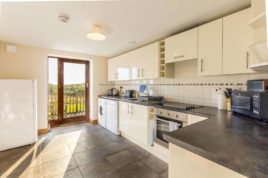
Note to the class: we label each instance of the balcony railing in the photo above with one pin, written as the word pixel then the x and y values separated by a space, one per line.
pixel 74 105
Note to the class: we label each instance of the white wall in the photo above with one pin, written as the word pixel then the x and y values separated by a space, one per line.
pixel 31 63
pixel 187 87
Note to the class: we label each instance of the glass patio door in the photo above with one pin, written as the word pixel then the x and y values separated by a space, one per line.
pixel 72 92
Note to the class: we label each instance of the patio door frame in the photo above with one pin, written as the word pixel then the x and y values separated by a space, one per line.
pixel 76 119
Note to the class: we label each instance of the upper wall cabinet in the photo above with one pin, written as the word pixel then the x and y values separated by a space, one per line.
pixel 142 63
pixel 182 46
pixel 210 48
pixel 149 60
pixel 237 37
pixel 112 69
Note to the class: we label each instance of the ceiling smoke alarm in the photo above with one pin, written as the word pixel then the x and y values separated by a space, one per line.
pixel 64 18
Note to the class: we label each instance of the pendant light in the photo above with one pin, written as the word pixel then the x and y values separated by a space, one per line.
pixel 96 34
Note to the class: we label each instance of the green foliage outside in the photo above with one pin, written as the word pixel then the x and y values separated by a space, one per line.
pixel 74 100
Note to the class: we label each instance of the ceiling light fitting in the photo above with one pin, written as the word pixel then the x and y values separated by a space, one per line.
pixel 96 34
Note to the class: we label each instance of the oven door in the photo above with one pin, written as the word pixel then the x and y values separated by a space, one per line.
pixel 164 126
pixel 242 101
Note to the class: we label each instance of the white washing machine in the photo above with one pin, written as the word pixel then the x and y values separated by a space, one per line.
pixel 112 119
pixel 102 112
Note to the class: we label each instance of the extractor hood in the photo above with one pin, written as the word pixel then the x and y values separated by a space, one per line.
pixel 259 52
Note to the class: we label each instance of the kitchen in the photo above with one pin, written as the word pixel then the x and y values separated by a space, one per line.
pixel 184 97
pixel 184 69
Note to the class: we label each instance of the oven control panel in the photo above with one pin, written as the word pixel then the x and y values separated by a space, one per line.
pixel 171 114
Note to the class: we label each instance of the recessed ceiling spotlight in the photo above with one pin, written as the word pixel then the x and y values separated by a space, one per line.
pixel 96 34
pixel 63 18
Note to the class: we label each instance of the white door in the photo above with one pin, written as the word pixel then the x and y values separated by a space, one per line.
pixel 17 113
pixel 124 117
pixel 112 116
pixel 102 112
pixel 210 48
pixel 122 66
pixel 134 63
pixel 237 37
pixel 139 123
pixel 112 70
pixel 182 46
pixel 149 61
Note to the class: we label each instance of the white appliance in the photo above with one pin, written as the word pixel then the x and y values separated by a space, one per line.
pixel 102 112
pixel 112 120
pixel 18 113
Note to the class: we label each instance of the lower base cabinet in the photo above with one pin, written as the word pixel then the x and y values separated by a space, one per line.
pixel 134 121
pixel 185 164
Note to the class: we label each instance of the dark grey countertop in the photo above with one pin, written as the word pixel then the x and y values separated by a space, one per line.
pixel 233 141
pixel 236 142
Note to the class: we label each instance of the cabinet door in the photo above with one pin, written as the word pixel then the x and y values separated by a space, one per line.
pixel 124 117
pixel 139 123
pixel 237 37
pixel 112 73
pixel 210 48
pixel 149 61
pixel 123 70
pixel 134 64
pixel 182 46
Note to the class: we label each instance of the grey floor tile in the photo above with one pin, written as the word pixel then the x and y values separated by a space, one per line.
pixel 72 173
pixel 138 170
pixel 89 156
pixel 156 164
pixel 97 170
pixel 121 159
pixel 58 166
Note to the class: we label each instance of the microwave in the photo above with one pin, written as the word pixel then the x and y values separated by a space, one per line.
pixel 250 103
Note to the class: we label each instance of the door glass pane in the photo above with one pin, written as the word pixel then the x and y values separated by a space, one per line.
pixel 52 88
pixel 74 93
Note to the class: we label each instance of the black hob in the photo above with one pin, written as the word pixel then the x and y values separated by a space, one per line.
pixel 178 105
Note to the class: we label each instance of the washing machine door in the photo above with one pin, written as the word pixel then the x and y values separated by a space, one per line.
pixel 102 113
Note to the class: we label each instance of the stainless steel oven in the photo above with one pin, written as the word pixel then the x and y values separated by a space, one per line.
pixel 167 121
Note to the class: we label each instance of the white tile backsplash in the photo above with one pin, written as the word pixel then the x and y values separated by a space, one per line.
pixel 188 87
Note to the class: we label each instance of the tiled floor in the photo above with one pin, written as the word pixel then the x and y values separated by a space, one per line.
pixel 81 151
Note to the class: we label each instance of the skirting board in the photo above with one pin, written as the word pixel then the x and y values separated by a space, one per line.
pixel 93 122
pixel 42 131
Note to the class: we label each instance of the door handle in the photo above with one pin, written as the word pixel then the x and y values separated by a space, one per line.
pixel 178 56
pixel 201 65
pixel 247 60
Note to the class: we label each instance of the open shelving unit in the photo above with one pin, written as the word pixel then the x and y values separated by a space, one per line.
pixel 165 70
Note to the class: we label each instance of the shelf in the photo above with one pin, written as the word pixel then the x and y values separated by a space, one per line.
pixel 258 21
pixel 259 67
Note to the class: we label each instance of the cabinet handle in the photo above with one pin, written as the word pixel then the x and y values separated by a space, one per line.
pixel 247 59
pixel 142 72
pixel 178 56
pixel 128 108
pixel 201 65
pixel 138 73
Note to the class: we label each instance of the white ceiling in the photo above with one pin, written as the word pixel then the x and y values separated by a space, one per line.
pixel 143 21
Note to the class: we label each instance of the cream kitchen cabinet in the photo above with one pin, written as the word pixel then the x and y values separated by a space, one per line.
pixel 134 64
pixel 237 37
pixel 122 67
pixel 186 164
pixel 182 46
pixel 118 68
pixel 210 48
pixel 134 121
pixel 149 61
pixel 112 69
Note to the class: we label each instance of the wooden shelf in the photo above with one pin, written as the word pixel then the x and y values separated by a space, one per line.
pixel 258 21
